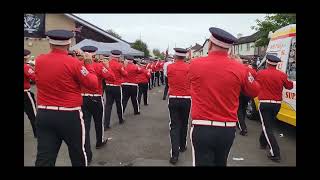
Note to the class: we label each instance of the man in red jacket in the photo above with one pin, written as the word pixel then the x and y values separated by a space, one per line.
pixel 29 101
pixel 161 71
pixel 216 82
pixel 130 88
pixel 153 73
pixel 93 103
pixel 166 88
pixel 104 58
pixel 243 103
pixel 114 90
pixel 272 82
pixel 149 68
pixel 142 80
pixel 157 72
pixel 59 79
pixel 179 103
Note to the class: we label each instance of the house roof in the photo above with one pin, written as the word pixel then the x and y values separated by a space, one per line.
pixel 106 48
pixel 95 28
pixel 196 47
pixel 205 42
pixel 199 47
pixel 247 39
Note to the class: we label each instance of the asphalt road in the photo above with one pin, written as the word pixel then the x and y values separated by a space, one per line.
pixel 143 140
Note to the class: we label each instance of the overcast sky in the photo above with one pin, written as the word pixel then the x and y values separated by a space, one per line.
pixel 180 30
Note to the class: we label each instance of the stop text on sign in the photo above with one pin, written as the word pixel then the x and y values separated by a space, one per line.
pixel 290 95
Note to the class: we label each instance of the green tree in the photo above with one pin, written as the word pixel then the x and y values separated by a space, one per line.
pixel 113 33
pixel 157 53
pixel 141 46
pixel 271 23
pixel 162 56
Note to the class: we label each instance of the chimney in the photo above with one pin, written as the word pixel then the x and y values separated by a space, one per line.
pixel 239 35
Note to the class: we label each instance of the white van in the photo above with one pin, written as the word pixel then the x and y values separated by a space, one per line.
pixel 283 45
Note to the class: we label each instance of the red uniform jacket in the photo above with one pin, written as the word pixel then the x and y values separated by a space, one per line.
pixel 153 67
pixel 144 76
pixel 158 66
pixel 28 74
pixel 179 85
pixel 272 82
pixel 118 70
pixel 59 78
pixel 133 70
pixel 102 73
pixel 216 82
pixel 161 65
pixel 148 66
pixel 252 71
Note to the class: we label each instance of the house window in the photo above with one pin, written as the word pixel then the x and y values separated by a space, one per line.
pixel 248 47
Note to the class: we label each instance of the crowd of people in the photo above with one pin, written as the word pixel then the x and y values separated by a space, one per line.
pixel 214 89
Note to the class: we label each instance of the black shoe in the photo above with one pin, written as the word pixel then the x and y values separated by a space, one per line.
pixel 138 113
pixel 173 160
pixel 121 121
pixel 182 149
pixel 163 98
pixel 107 128
pixel 274 158
pixel 99 146
pixel 146 104
pixel 244 133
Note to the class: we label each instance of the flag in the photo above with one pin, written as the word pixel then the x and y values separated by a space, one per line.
pixel 167 53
